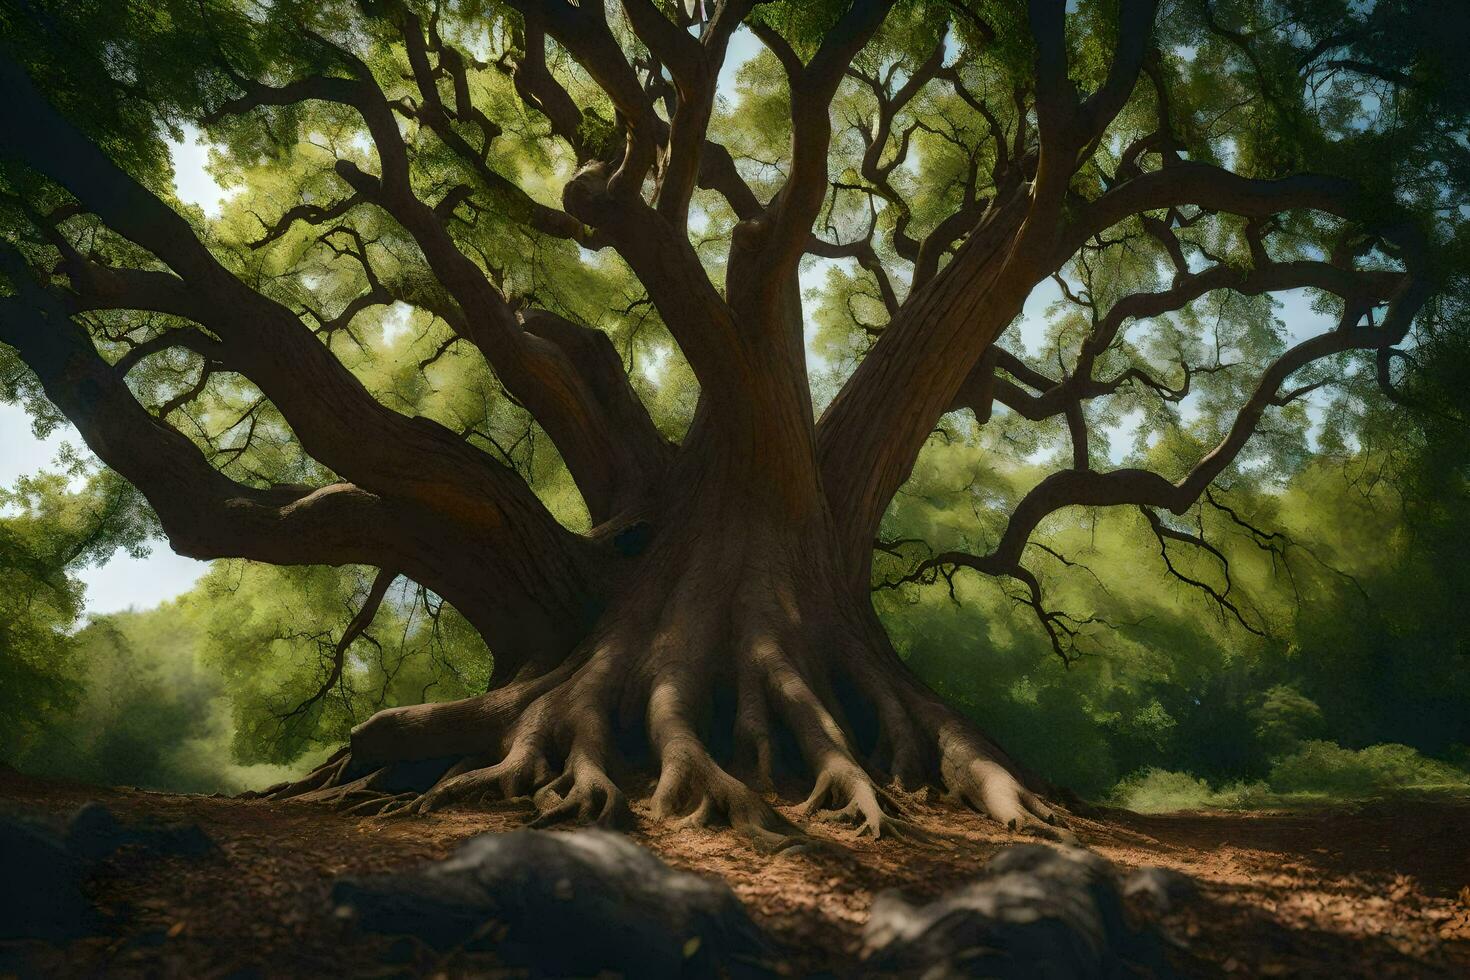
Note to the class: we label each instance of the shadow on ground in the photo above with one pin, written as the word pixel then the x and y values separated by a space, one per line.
pixel 1380 890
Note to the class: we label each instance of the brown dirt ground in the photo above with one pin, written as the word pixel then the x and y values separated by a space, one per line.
pixel 1379 890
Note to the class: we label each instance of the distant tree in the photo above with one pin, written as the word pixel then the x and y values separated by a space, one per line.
pixel 544 193
pixel 49 532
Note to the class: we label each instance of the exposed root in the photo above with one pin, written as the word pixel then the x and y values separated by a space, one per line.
pixel 584 794
pixel 348 795
pixel 977 779
pixel 549 739
pixel 518 774
pixel 377 804
pixel 326 774
pixel 693 790
pixel 843 791
pixel 847 795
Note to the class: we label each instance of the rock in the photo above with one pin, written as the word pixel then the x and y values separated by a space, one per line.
pixel 567 904
pixel 95 832
pixel 1036 912
pixel 41 888
pixel 1164 887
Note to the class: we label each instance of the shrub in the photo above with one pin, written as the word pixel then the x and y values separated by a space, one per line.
pixel 1324 767
pixel 1156 790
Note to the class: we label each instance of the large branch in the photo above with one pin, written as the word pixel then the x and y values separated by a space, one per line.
pixel 1144 488
pixel 878 165
pixel 812 88
pixel 414 462
pixel 439 118
pixel 874 429
pixel 204 513
pixel 583 31
pixel 872 432
pixel 695 67
pixel 1054 397
pixel 607 194
pixel 1070 127
pixel 1212 188
pixel 536 373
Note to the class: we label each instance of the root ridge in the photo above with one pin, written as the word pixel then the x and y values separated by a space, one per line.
pixel 549 741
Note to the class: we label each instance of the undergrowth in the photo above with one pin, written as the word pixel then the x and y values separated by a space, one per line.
pixel 1317 772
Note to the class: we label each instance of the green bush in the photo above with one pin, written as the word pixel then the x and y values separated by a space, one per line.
pixel 1156 790
pixel 1316 771
pixel 1324 767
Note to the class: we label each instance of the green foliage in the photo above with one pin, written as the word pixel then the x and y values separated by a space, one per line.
pixel 1362 632
pixel 1325 767
pixel 270 636
pixel 148 713
pixel 205 693
pixel 1156 790
pixel 48 532
pixel 1318 772
pixel 1285 718
pixel 1363 636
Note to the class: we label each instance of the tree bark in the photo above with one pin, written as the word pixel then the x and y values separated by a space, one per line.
pixel 734 665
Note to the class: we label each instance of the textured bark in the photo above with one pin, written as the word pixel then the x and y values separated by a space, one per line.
pixel 733 666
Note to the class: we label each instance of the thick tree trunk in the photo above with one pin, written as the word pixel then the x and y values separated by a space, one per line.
pixel 733 665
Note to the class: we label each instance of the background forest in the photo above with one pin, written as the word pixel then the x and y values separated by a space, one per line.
pixel 1319 643
pixel 1338 665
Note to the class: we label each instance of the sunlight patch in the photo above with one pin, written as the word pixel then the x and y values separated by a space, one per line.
pixel 192 180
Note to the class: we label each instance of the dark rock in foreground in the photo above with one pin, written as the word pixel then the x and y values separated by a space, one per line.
pixel 40 886
pixel 41 873
pixel 94 832
pixel 1036 913
pixel 1163 887
pixel 565 904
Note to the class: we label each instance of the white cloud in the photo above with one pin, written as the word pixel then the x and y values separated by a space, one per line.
pixel 192 181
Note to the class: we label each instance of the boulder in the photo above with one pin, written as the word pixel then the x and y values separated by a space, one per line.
pixel 1037 912
pixel 574 904
pixel 41 887
pixel 1163 887
pixel 94 832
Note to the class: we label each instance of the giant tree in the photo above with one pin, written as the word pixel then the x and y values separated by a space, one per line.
pixel 545 185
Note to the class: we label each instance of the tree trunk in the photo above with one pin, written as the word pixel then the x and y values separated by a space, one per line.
pixel 733 665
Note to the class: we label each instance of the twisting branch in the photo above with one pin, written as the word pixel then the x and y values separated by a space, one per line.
pixel 812 88
pixel 464 495
pixel 439 118
pixel 1062 629
pixel 1147 489
pixel 356 627
pixel 186 338
pixel 1069 128
pixel 314 214
pixel 535 373
pixel 877 164
pixel 1164 533
pixel 584 32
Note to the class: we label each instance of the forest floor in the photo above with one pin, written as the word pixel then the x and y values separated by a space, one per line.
pixel 1380 889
